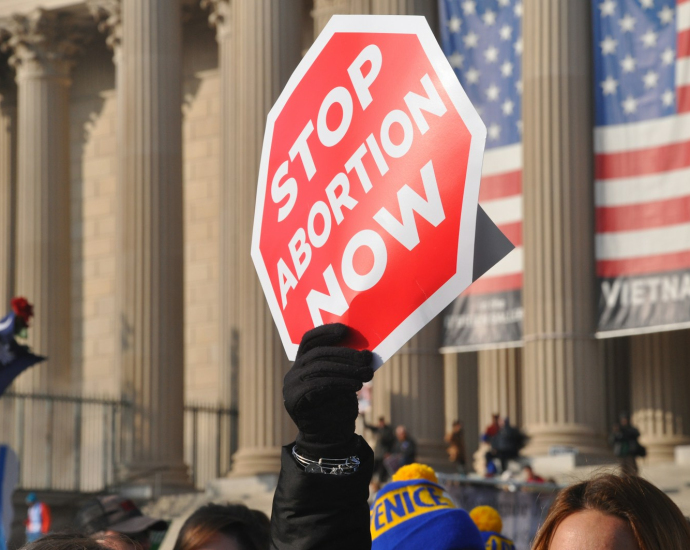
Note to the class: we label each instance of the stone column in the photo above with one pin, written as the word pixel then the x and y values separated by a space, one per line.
pixel 325 9
pixel 8 189
pixel 268 38
pixel 500 385
pixel 563 379
pixel 615 360
pixel 42 55
pixel 461 397
pixel 150 244
pixel 221 18
pixel 660 380
pixel 409 390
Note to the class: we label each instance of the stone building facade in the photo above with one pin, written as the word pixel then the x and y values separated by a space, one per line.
pixel 130 136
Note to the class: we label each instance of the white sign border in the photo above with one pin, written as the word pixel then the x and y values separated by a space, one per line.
pixel 390 24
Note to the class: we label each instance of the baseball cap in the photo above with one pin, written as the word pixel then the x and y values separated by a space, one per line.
pixel 115 513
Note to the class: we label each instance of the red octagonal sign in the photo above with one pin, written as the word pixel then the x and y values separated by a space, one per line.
pixel 368 185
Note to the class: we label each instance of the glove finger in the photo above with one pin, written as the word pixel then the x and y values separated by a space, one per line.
pixel 325 335
pixel 335 354
pixel 330 369
pixel 317 390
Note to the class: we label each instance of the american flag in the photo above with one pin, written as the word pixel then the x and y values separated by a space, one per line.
pixel 642 136
pixel 483 42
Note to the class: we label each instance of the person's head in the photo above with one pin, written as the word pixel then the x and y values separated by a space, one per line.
pixel 529 472
pixel 611 512
pixel 225 527
pixel 495 417
pixel 624 419
pixel 457 425
pixel 31 499
pixel 382 421
pixel 64 541
pixel 113 515
pixel 401 433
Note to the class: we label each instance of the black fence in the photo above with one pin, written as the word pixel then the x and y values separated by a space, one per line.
pixel 79 444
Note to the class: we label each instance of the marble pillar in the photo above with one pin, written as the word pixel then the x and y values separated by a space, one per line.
pixel 461 397
pixel 615 360
pixel 500 385
pixel 8 190
pixel 150 244
pixel 221 18
pixel 660 379
pixel 325 9
pixel 43 45
pixel 563 379
pixel 264 62
pixel 409 390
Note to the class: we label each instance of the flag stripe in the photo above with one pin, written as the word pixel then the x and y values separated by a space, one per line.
pixel 491 285
pixel 643 161
pixel 500 186
pixel 657 187
pixel 641 135
pixel 683 44
pixel 644 265
pixel 683 15
pixel 683 94
pixel 643 216
pixel 501 160
pixel 683 72
pixel 503 211
pixel 645 242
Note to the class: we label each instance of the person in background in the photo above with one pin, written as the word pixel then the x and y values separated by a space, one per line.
pixel 109 517
pixel 624 440
pixel 507 443
pixel 385 441
pixel 404 451
pixel 611 512
pixel 225 527
pixel 492 429
pixel 530 476
pixel 456 445
pixel 37 518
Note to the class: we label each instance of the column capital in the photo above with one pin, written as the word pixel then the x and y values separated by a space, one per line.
pixel 220 15
pixel 42 43
pixel 108 16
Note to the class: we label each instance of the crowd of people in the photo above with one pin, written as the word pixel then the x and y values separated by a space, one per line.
pixel 322 500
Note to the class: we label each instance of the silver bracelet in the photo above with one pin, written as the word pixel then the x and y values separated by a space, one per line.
pixel 334 466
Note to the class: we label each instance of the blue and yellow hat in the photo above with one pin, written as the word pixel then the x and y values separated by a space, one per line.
pixel 490 525
pixel 418 513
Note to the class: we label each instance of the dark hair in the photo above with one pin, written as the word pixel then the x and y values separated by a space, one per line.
pixel 250 528
pixel 64 541
pixel 655 520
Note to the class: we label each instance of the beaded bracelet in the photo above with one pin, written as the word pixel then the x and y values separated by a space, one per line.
pixel 333 466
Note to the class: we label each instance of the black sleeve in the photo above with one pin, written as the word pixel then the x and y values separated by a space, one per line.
pixel 322 511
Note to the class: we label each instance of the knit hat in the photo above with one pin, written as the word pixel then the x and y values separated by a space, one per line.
pixel 417 513
pixel 490 525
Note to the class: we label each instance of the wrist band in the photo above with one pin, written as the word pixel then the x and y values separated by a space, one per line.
pixel 333 466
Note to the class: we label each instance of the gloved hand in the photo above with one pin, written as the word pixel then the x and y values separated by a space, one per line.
pixel 320 392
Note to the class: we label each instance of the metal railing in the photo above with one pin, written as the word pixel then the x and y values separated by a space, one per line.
pixel 67 443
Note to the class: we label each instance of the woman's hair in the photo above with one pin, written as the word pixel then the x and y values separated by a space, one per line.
pixel 655 520
pixel 64 541
pixel 249 528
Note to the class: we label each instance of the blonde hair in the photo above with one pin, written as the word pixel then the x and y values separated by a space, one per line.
pixel 655 520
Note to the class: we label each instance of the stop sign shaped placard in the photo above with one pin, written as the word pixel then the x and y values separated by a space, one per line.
pixel 368 185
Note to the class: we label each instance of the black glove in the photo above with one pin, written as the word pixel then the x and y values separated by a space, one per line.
pixel 320 392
